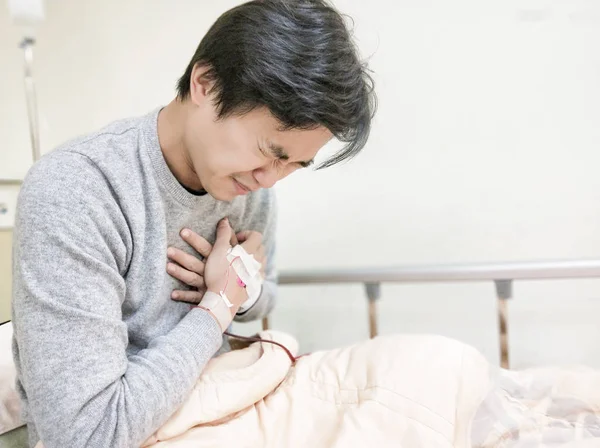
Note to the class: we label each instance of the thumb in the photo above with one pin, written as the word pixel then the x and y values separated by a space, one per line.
pixel 223 236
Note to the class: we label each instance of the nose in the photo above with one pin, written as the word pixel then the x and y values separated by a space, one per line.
pixel 267 176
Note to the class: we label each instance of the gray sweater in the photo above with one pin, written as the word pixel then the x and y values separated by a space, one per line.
pixel 103 355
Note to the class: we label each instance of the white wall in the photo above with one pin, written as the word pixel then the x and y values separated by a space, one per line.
pixel 484 149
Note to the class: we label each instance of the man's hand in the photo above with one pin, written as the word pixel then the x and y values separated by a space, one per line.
pixel 189 269
pixel 251 241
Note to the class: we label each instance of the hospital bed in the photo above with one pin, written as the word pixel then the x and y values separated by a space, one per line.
pixel 503 275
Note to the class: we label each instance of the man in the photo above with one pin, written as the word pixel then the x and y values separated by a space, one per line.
pixel 103 355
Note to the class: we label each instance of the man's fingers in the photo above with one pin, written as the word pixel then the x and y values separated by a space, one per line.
pixel 186 261
pixel 223 236
pixel 233 241
pixel 187 277
pixel 199 244
pixel 187 296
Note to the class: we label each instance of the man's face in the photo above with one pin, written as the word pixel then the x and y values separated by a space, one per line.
pixel 239 154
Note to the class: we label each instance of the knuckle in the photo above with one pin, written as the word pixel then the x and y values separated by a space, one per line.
pixel 176 258
pixel 204 249
pixel 175 270
pixel 188 277
pixel 200 244
pixel 197 281
pixel 198 267
pixel 195 297
pixel 196 242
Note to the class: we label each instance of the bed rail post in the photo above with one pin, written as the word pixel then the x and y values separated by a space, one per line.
pixel 504 294
pixel 373 291
pixel 265 323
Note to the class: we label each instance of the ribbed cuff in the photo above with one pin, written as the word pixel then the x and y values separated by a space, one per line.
pixel 200 333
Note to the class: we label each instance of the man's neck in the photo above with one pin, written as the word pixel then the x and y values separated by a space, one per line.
pixel 170 137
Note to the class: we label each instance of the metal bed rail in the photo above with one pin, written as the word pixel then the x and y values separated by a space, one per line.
pixel 10 182
pixel 502 274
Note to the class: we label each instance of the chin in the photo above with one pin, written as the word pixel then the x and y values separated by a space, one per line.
pixel 226 197
pixel 221 194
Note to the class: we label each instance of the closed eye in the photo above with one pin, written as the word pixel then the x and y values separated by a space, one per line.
pixel 307 164
pixel 279 154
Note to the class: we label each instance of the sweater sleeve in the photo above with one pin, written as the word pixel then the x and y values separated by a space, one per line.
pixel 82 388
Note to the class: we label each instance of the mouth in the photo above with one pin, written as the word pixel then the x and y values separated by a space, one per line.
pixel 241 188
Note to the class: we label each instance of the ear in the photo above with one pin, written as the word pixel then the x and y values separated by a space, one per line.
pixel 200 85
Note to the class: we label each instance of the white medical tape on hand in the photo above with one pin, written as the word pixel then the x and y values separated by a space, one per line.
pixel 248 270
pixel 219 305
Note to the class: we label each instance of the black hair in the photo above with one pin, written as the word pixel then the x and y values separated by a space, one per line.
pixel 295 57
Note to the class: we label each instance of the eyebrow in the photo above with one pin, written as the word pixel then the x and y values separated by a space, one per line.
pixel 279 153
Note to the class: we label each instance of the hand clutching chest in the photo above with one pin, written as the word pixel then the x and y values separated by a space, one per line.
pixel 188 264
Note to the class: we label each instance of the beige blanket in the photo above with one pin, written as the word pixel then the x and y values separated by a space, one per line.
pixel 395 391
pixel 412 391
